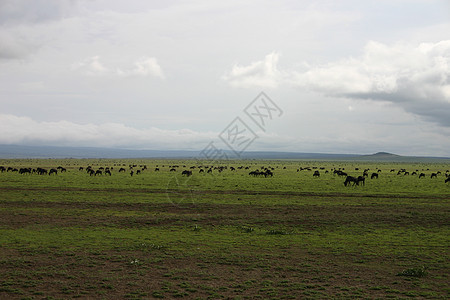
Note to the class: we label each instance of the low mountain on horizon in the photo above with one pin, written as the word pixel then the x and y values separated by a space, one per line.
pixel 382 155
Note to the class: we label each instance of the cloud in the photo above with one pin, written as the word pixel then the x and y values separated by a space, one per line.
pixel 24 130
pixel 14 45
pixel 414 77
pixel 13 12
pixel 417 78
pixel 145 66
pixel 18 22
pixel 263 73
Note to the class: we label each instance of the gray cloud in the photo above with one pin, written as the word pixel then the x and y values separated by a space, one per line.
pixel 417 78
pixel 13 12
pixel 17 19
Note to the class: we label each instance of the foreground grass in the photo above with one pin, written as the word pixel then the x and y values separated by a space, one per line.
pixel 160 235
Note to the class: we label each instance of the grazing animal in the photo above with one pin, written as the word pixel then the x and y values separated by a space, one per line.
pixel 187 173
pixel 53 171
pixel 433 175
pixel 108 172
pixel 421 175
pixel 173 170
pixel 316 174
pixel 156 169
pixel 447 180
pixel 350 179
pixel 122 170
pixel 98 172
pixel 374 175
pixel 362 180
pixel 25 170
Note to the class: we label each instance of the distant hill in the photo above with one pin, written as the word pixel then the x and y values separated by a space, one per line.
pixel 18 151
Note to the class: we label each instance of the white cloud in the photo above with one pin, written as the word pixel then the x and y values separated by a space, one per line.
pixel 263 73
pixel 145 66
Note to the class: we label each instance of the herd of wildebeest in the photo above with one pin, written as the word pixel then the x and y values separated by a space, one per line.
pixel 263 171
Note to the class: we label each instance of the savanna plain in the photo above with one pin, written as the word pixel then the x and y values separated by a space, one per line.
pixel 150 231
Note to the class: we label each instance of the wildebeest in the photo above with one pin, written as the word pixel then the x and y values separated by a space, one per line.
pixel 350 179
pixel 25 170
pixel 433 175
pixel 421 175
pixel 316 174
pixel 61 169
pixel 362 180
pixel 173 170
pixel 374 175
pixel 41 171
pixel 98 172
pixel 108 172
pixel 122 170
pixel 339 173
pixel 53 171
pixel 156 169
pixel 187 173
pixel 354 180
pixel 447 180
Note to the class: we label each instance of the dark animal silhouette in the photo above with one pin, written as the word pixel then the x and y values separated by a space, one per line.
pixel 374 175
pixel 187 173
pixel 433 175
pixel 362 180
pixel 350 179
pixel 421 175
pixel 316 174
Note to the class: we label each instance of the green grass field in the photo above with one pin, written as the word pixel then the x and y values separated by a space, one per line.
pixel 225 234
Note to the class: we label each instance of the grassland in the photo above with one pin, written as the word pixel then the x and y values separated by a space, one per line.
pixel 225 234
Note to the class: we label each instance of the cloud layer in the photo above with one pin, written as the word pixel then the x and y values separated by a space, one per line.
pixel 24 130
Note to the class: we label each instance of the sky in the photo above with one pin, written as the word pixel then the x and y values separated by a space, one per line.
pixel 346 76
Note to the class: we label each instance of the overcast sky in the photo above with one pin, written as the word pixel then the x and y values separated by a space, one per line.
pixel 349 76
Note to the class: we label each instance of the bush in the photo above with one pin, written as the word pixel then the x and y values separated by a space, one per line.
pixel 413 272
